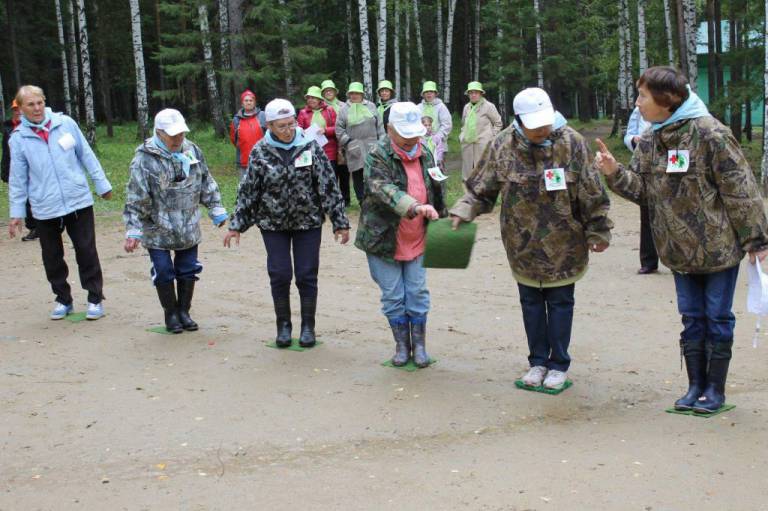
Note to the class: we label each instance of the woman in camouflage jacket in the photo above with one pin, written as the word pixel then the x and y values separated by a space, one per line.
pixel 287 191
pixel 706 213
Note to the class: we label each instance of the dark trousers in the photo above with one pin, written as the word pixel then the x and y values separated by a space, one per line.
pixel 342 176
pixel 548 317
pixel 81 230
pixel 648 256
pixel 183 266
pixel 29 221
pixel 705 301
pixel 306 260
pixel 357 183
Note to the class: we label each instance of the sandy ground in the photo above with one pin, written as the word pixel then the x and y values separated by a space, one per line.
pixel 107 416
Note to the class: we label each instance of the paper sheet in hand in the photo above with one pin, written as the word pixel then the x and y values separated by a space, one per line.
pixel 316 134
pixel 757 296
pixel 447 248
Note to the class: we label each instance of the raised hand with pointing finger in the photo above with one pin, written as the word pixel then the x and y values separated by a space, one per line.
pixel 604 160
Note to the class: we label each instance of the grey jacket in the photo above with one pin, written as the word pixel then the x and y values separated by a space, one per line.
pixel 162 205
pixel 358 140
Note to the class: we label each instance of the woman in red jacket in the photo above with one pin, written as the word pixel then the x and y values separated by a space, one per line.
pixel 318 113
pixel 246 128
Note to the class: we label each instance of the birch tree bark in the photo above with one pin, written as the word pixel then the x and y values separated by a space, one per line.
pixel 641 36
pixel 686 20
pixel 449 51
pixel 764 164
pixel 502 102
pixel 85 61
pixel 74 65
pixel 382 40
pixel 287 67
pixel 476 44
pixel 407 88
pixel 668 27
pixel 225 57
pixel 539 49
pixel 623 28
pixel 440 45
pixel 365 47
pixel 142 110
pixel 64 66
pixel 396 49
pixel 210 74
pixel 417 25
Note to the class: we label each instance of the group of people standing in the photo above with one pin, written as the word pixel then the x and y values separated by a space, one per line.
pixel 705 210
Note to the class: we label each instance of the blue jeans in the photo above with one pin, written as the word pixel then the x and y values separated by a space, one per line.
pixel 548 317
pixel 705 301
pixel 403 286
pixel 183 266
pixel 306 260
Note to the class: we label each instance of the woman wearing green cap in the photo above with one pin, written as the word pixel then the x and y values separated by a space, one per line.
pixel 432 106
pixel 480 122
pixel 387 97
pixel 318 113
pixel 330 95
pixel 358 128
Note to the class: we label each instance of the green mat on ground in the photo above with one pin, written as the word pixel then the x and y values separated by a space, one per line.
pixel 726 407
pixel 75 317
pixel 159 330
pixel 447 248
pixel 293 347
pixel 409 366
pixel 541 388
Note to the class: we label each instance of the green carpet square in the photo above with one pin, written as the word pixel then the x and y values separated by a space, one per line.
pixel 75 317
pixel 446 248
pixel 409 366
pixel 293 347
pixel 159 330
pixel 726 407
pixel 541 388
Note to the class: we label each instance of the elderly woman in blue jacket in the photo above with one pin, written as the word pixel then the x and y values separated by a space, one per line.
pixel 49 162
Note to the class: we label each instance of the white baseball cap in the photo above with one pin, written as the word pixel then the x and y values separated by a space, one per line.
pixel 534 108
pixel 279 109
pixel 171 122
pixel 405 117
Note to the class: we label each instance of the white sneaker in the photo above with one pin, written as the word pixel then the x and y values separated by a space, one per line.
pixel 534 376
pixel 555 379
pixel 61 311
pixel 95 310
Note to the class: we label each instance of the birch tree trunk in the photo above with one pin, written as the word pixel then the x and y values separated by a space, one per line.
pixel 764 164
pixel 74 66
pixel 502 103
pixel 382 40
pixel 714 92
pixel 407 88
pixel 539 49
pixel 210 74
pixel 681 42
pixel 419 43
pixel 396 26
pixel 449 51
pixel 622 84
pixel 641 36
pixel 365 47
pixel 287 67
pixel 476 46
pixel 160 71
pixel 64 66
pixel 668 27
pixel 142 109
pixel 225 57
pixel 440 45
pixel 85 58
pixel 687 28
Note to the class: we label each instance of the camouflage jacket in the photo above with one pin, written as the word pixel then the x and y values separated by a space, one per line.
pixel 386 200
pixel 276 195
pixel 162 206
pixel 705 219
pixel 545 233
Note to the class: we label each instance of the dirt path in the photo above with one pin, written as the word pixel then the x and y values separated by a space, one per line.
pixel 106 415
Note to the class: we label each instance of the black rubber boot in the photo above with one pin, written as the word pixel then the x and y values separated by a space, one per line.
pixel 714 393
pixel 283 315
pixel 186 288
pixel 402 334
pixel 308 307
pixel 418 342
pixel 696 367
pixel 167 295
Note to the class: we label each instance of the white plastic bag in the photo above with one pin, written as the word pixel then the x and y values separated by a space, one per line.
pixel 757 296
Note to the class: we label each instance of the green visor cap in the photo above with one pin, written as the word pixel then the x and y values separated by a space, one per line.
pixel 385 84
pixel 328 84
pixel 429 87
pixel 474 86
pixel 356 87
pixel 314 92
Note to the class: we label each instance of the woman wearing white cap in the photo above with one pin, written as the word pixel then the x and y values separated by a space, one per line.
pixel 169 180
pixel 400 196
pixel 287 191
pixel 554 210
pixel 480 122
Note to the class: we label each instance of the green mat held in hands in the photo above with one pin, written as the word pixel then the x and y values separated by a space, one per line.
pixel 447 248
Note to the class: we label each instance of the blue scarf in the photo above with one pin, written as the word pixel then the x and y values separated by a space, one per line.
pixel 298 140
pixel 178 156
pixel 31 125
pixel 692 108
pixel 560 121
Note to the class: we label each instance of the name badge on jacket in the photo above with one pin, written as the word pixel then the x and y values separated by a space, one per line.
pixel 67 141
pixel 304 159
pixel 554 179
pixel 678 160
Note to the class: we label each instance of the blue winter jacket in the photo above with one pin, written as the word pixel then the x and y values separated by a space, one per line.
pixel 52 175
